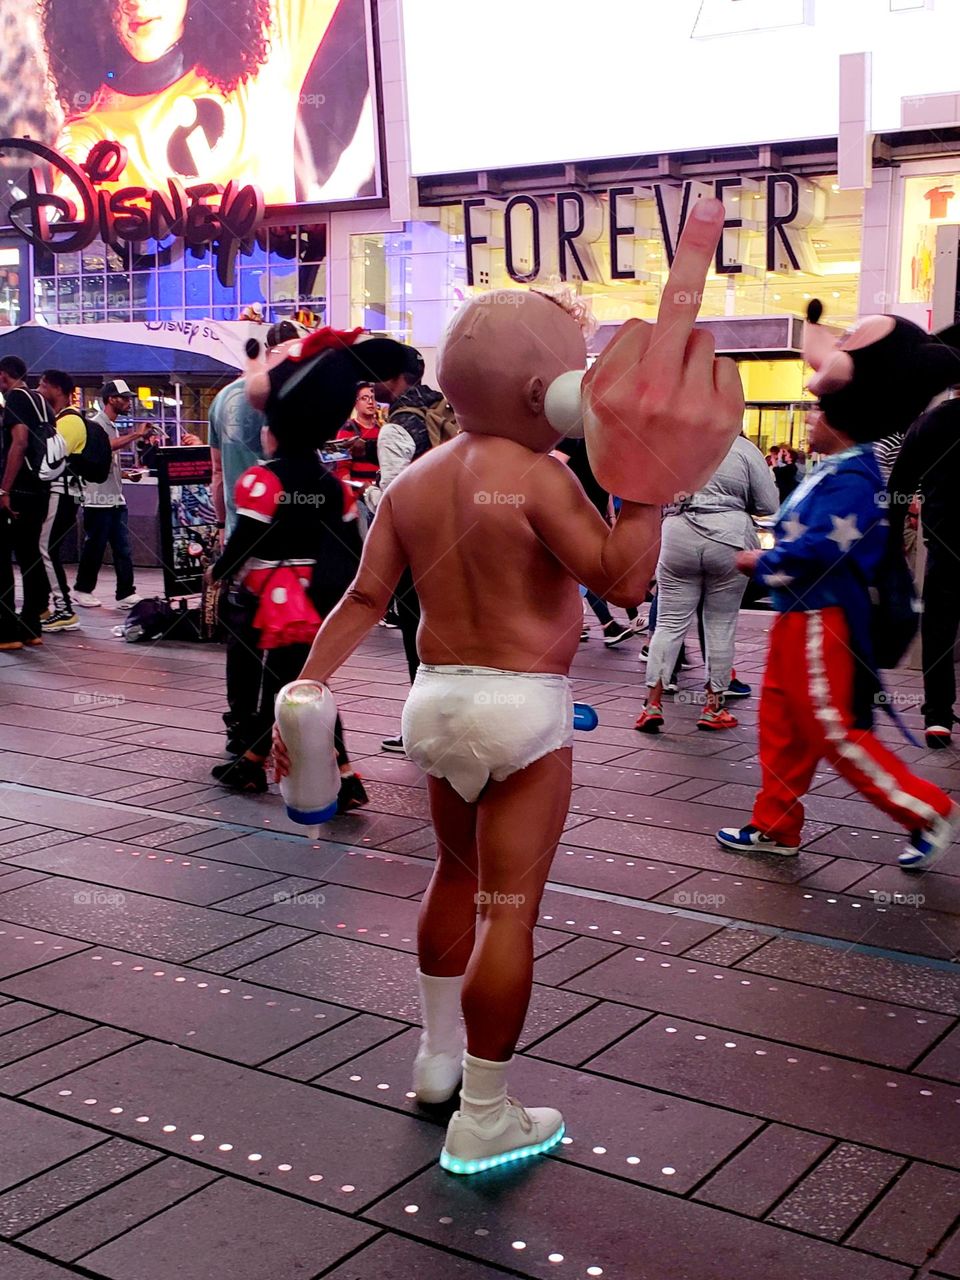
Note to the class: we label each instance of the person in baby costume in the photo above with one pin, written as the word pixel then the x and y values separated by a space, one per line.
pixel 821 683
pixel 498 535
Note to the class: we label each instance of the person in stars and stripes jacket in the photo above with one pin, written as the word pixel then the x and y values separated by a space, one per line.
pixel 820 678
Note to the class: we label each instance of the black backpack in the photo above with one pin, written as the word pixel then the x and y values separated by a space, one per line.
pixel 92 464
pixel 894 606
pixel 46 429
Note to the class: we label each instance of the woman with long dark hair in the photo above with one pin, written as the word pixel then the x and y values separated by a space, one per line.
pixel 217 91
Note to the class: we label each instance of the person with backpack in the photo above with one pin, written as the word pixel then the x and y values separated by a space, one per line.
pixel 105 509
pixel 420 419
pixel 928 465
pixel 27 425
pixel 293 553
pixel 827 574
pixel 78 451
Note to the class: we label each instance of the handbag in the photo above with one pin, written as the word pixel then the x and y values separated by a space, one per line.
pixel 285 614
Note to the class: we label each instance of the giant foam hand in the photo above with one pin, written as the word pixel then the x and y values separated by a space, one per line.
pixel 660 410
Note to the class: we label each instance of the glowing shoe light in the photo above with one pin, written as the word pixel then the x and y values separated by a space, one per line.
pixel 453 1165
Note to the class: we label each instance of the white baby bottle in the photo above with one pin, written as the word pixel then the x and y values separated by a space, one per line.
pixel 306 714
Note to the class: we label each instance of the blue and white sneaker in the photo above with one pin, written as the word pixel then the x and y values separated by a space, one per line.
pixel 750 839
pixel 473 1146
pixel 737 688
pixel 927 847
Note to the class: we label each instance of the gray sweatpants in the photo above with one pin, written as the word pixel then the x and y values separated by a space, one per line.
pixel 690 566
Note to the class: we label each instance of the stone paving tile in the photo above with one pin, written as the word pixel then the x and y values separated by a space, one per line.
pixel 34 1141
pixel 614 1128
pixel 235 1020
pixel 278 891
pixel 115 1210
pixel 51 1193
pixel 768 1166
pixel 18 879
pixel 213 1104
pixel 62 812
pixel 253 1233
pixel 913 1216
pixel 566 962
pixel 834 1194
pixel 839 875
pixel 603 837
pixel 555 1208
pixel 860 844
pixel 132 921
pixel 376 918
pixel 17 1265
pixel 144 870
pixel 392 1256
pixel 843 969
pixel 207 838
pixel 383 873
pixel 944 1060
pixel 71 778
pixel 11 830
pixel 947 1262
pixel 588 1034
pixel 15 1014
pixel 30 1073
pixel 728 946
pixel 635 878
pixel 339 1044
pixel 625 925
pixel 789 1012
pixel 74 723
pixel 907 1115
pixel 40 1035
pixel 549 1010
pixel 905 927
pixel 247 950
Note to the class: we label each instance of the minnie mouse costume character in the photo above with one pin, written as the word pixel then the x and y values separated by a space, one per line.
pixel 821 680
pixel 295 546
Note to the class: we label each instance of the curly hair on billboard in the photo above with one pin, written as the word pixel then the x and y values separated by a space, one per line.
pixel 226 43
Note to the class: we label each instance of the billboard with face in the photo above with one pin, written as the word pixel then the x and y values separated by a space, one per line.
pixel 280 94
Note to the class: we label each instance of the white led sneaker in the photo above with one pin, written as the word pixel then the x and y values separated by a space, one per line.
pixel 516 1133
pixel 436 1076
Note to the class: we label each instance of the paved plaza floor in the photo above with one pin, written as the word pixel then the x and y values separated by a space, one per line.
pixel 207 1021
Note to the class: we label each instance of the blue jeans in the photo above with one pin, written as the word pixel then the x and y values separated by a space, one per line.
pixel 103 525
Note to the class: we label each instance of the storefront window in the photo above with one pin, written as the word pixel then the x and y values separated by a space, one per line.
pixel 282 272
pixel 824 238
pixel 9 285
pixel 929 201
pixel 408 283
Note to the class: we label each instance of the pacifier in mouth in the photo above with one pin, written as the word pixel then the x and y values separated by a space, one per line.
pixel 563 404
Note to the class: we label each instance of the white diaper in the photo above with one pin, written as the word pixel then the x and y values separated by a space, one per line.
pixel 471 724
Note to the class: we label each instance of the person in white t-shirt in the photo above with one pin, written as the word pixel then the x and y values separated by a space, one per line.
pixel 105 510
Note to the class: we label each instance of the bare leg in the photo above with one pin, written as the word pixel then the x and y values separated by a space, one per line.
pixel 448 916
pixel 519 824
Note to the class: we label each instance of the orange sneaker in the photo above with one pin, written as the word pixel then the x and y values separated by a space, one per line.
pixel 650 719
pixel 715 718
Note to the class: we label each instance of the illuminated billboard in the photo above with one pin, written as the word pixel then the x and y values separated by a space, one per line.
pixel 532 84
pixel 279 95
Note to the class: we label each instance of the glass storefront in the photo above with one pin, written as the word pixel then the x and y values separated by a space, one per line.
pixel 10 276
pixel 282 272
pixel 410 283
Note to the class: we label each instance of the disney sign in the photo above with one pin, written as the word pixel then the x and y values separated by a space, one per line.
pixel 123 216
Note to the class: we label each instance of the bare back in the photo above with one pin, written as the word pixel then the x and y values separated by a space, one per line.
pixel 491 592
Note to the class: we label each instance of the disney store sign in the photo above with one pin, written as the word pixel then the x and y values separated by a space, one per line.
pixel 203 215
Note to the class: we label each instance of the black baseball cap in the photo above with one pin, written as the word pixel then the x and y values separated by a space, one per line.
pixel 115 388
pixel 413 364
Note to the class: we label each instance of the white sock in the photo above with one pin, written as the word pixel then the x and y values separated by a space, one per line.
pixel 440 1012
pixel 483 1095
